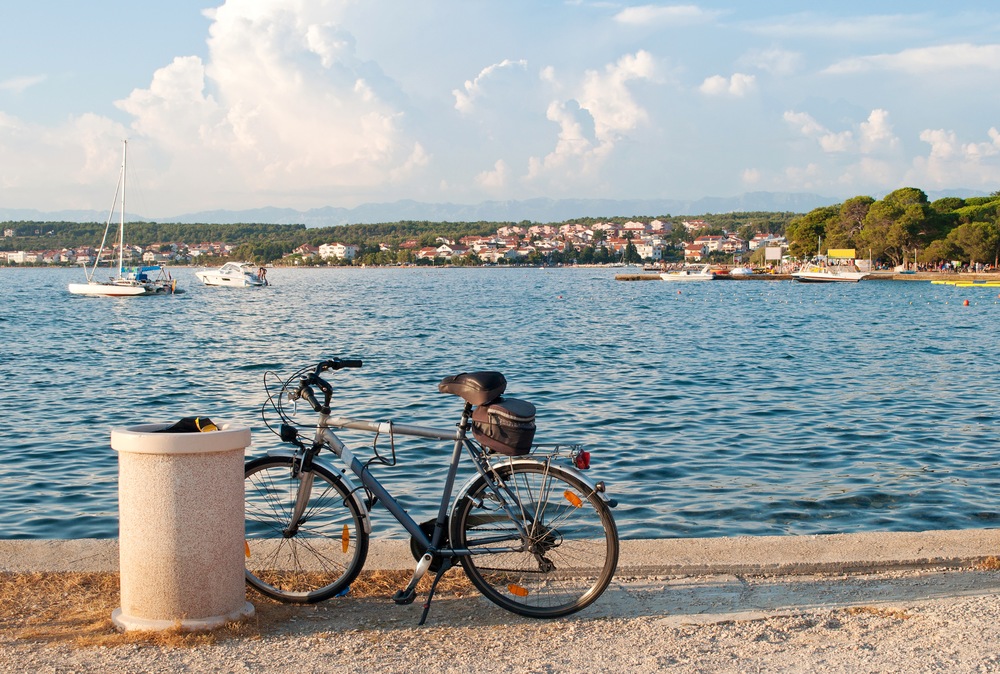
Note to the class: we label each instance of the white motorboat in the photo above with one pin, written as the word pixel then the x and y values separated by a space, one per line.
pixel 233 274
pixel 825 273
pixel 128 282
pixel 741 271
pixel 689 273
pixel 837 266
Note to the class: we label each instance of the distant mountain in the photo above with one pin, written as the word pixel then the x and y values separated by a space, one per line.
pixel 534 210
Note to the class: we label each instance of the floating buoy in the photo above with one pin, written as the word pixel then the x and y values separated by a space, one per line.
pixel 965 303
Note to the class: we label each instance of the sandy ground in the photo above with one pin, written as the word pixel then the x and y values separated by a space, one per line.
pixel 926 620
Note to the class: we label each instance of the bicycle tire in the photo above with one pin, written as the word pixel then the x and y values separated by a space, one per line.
pixel 572 548
pixel 325 554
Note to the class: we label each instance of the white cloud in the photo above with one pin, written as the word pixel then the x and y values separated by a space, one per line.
pixel 774 60
pixel 873 135
pixel 750 176
pixel 18 85
pixel 175 109
pixel 876 132
pixel 604 102
pixel 473 89
pixel 983 150
pixel 673 15
pixel 737 85
pixel 806 124
pixel 574 154
pixel 924 60
pixel 283 105
pixel 75 155
pixel 810 26
pixel 951 162
pixel 495 179
pixel 607 97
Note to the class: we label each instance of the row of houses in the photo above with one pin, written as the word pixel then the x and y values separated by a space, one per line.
pixel 175 253
pixel 509 243
pixel 513 242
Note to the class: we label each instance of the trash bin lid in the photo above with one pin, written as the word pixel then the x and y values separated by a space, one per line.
pixel 150 439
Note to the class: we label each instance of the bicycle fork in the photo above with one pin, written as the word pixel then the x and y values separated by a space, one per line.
pixel 305 479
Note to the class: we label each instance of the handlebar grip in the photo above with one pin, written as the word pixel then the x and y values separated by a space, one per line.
pixel 308 394
pixel 336 364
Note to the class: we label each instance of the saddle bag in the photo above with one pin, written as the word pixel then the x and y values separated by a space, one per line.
pixel 506 425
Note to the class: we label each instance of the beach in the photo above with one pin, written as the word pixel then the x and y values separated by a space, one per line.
pixel 885 602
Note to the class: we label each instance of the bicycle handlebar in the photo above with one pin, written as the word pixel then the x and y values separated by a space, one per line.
pixel 306 383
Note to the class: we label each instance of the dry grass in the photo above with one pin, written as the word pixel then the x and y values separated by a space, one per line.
pixel 989 564
pixel 75 608
pixel 893 613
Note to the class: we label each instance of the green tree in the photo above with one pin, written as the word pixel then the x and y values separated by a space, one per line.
pixel 631 254
pixel 804 233
pixel 842 231
pixel 895 225
pixel 978 241
pixel 942 250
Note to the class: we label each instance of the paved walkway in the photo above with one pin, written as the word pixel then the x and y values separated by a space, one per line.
pixel 836 553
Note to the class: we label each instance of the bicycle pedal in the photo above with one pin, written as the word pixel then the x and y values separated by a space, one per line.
pixel 402 597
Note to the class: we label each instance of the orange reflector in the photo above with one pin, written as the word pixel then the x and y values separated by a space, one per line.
pixel 345 539
pixel 246 547
pixel 517 590
pixel 573 498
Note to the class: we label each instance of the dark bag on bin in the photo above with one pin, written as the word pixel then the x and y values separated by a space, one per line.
pixel 506 425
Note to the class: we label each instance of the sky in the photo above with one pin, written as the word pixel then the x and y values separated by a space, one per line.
pixel 310 103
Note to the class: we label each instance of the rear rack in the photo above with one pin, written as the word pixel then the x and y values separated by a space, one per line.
pixel 555 450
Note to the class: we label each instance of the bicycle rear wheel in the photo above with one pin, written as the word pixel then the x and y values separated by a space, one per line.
pixel 568 555
pixel 323 555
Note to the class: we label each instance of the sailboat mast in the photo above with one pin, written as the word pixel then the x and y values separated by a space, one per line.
pixel 121 219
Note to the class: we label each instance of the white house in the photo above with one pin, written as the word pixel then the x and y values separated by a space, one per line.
pixel 338 251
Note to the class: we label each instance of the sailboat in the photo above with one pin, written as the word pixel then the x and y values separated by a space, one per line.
pixel 154 280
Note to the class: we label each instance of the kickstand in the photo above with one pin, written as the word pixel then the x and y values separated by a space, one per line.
pixel 445 565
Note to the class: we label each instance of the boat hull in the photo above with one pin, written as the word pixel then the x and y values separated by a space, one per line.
pixel 119 289
pixel 211 280
pixel 686 277
pixel 702 273
pixel 827 278
pixel 232 275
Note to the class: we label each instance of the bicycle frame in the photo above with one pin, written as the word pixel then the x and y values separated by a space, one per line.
pixel 325 436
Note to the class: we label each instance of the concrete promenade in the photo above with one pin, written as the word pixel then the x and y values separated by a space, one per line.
pixel 753 555
pixel 839 604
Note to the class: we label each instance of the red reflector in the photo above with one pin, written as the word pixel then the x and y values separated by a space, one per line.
pixel 583 460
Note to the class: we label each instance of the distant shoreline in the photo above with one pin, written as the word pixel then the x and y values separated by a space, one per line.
pixel 634 276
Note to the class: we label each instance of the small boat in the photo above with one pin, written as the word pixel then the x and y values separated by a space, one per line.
pixel 689 273
pixel 129 282
pixel 820 273
pixel 741 271
pixel 233 274
pixel 821 270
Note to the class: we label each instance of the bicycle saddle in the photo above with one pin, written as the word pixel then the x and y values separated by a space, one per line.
pixel 476 388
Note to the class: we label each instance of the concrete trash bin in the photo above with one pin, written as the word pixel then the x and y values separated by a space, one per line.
pixel 181 544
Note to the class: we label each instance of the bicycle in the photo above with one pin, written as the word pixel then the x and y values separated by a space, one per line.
pixel 532 532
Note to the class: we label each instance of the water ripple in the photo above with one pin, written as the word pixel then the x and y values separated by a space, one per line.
pixel 717 409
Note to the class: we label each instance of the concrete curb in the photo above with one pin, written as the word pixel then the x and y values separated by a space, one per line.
pixel 779 555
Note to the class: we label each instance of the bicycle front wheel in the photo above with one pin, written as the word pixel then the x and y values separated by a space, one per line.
pixel 554 556
pixel 318 557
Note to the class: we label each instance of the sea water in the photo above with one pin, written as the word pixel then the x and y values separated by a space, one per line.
pixel 711 409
